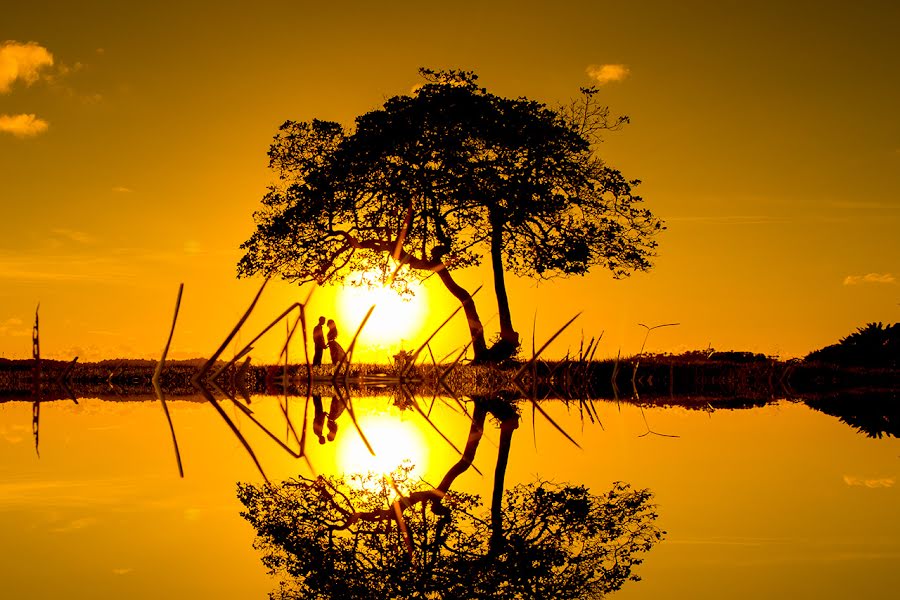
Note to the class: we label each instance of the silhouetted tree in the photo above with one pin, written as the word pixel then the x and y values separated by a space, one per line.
pixel 331 538
pixel 380 537
pixel 441 178
pixel 874 413
pixel 873 346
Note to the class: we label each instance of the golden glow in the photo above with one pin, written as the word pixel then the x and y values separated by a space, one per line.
pixel 394 441
pixel 395 320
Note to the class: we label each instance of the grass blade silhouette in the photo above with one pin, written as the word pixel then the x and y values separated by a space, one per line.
pixel 530 363
pixel 198 376
pixel 158 388
pixel 237 432
pixel 415 355
pixel 348 355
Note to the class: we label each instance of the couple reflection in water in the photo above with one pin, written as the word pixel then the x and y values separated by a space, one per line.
pixel 334 411
pixel 321 342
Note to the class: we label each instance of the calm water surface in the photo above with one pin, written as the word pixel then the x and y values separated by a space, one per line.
pixel 777 502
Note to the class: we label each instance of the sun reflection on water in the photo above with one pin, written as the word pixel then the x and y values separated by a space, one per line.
pixel 394 441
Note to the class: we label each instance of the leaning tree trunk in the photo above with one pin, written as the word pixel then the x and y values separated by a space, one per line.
pixel 476 330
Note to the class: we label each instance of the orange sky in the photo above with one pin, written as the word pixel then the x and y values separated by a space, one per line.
pixel 133 151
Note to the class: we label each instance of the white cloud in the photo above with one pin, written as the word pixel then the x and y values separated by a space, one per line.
pixel 872 483
pixel 603 74
pixel 22 125
pixel 23 62
pixel 870 278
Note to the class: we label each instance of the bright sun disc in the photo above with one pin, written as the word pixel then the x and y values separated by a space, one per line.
pixel 394 320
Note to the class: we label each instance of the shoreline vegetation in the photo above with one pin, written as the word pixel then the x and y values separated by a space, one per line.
pixel 865 399
pixel 696 377
pixel 857 379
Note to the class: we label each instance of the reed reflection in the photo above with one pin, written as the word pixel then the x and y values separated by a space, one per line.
pixel 395 536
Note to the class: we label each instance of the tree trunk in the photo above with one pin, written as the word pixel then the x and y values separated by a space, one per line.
pixel 476 431
pixel 507 427
pixel 509 338
pixel 476 329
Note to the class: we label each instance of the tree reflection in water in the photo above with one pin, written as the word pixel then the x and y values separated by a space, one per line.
pixel 359 537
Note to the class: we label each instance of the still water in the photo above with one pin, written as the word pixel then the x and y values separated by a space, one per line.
pixel 777 501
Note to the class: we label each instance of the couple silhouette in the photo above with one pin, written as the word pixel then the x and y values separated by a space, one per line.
pixel 320 342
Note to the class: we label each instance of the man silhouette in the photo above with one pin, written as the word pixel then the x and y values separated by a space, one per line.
pixel 319 344
pixel 319 419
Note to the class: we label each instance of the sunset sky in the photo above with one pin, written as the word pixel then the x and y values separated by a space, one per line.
pixel 133 143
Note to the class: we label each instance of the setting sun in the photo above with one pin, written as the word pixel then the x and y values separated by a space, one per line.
pixel 395 319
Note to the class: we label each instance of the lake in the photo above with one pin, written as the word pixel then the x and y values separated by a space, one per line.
pixel 777 501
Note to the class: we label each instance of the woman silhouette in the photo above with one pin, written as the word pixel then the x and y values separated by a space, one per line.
pixel 334 348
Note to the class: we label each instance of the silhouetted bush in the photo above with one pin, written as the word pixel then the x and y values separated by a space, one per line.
pixel 873 346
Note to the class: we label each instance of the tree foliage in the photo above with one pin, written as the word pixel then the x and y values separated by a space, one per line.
pixel 873 413
pixel 443 178
pixel 874 346
pixel 331 538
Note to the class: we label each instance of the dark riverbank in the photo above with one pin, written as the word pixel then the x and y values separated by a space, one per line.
pixel 867 400
pixel 729 379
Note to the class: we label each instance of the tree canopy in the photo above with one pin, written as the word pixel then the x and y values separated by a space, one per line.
pixel 439 180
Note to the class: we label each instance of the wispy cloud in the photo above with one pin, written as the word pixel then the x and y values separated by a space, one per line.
pixel 123 571
pixel 14 434
pixel 730 219
pixel 97 269
pixel 22 62
pixel 121 189
pixel 862 205
pixel 61 493
pixel 74 525
pixel 603 74
pixel 872 483
pixel 869 278
pixel 23 125
pixel 75 236
pixel 14 327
